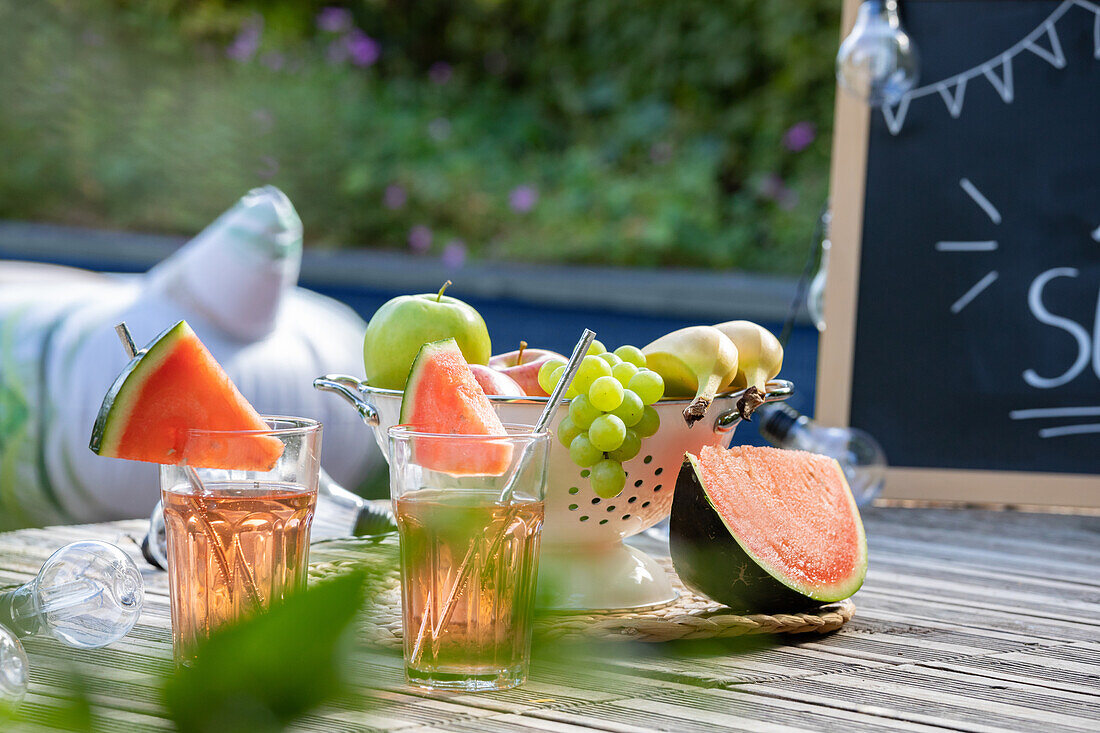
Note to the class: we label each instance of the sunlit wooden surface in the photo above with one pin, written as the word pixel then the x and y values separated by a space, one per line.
pixel 969 620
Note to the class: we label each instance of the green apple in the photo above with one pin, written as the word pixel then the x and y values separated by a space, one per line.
pixel 402 325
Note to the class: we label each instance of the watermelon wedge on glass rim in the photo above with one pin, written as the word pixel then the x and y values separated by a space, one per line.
pixel 171 386
pixel 442 397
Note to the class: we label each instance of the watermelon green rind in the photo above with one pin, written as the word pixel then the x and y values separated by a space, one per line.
pixel 411 395
pixel 711 560
pixel 118 405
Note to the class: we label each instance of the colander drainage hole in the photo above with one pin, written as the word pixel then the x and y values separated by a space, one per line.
pixel 638 484
pixel 658 471
pixel 626 517
pixel 647 459
pixel 611 508
pixel 603 521
pixel 596 500
pixel 645 504
pixel 656 488
pixel 631 500
pixel 572 507
pixel 585 473
pixel 573 489
pixel 584 517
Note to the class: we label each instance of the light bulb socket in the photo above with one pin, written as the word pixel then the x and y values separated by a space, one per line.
pixel 778 423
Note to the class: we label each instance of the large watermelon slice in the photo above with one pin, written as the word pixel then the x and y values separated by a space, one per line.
pixel 442 397
pixel 764 530
pixel 173 385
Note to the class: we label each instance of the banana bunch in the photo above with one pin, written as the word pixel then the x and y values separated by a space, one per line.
pixel 704 361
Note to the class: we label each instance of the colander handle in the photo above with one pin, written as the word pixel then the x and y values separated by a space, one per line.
pixel 348 388
pixel 776 390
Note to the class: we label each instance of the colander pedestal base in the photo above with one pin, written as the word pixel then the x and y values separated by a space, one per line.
pixel 602 577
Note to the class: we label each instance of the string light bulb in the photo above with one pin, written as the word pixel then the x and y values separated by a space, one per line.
pixel 878 62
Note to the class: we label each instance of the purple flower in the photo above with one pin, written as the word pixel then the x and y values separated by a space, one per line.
pixel 247 42
pixel 420 239
pixel 799 136
pixel 395 197
pixel 273 60
pixel 454 253
pixel 439 129
pixel 334 20
pixel 523 198
pixel 772 187
pixel 363 49
pixel 440 72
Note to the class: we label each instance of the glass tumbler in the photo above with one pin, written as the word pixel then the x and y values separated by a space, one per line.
pixel 469 512
pixel 238 539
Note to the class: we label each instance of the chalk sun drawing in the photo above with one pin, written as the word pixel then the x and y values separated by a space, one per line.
pixel 984 245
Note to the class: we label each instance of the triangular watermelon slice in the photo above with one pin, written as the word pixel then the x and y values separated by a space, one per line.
pixel 172 386
pixel 442 397
pixel 764 530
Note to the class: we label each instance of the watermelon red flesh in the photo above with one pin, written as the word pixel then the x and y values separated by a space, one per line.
pixel 443 397
pixel 762 529
pixel 173 386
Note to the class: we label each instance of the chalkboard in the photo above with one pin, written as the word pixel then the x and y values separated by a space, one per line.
pixel 973 334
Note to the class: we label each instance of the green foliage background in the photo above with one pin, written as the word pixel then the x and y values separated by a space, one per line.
pixel 652 131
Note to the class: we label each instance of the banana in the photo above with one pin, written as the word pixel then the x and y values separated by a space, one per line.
pixel 698 361
pixel 760 355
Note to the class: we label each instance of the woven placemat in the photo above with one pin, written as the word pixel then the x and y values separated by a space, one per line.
pixel 689 617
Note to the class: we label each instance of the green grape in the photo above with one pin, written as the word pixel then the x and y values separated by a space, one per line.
pixel 631 355
pixel 567 430
pixel 606 394
pixel 556 377
pixel 649 423
pixel 591 368
pixel 583 453
pixel 582 412
pixel 648 385
pixel 607 432
pixel 631 410
pixel 610 358
pixel 546 374
pixel 597 347
pixel 608 478
pixel 624 372
pixel 630 447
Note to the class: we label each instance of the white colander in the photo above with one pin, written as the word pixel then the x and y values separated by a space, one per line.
pixel 585 565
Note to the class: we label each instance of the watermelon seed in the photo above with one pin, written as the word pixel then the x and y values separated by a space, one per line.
pixel 658 471
pixel 638 484
pixel 572 507
pixel 647 459
pixel 656 488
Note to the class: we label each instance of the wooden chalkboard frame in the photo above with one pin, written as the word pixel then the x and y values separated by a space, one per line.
pixel 836 354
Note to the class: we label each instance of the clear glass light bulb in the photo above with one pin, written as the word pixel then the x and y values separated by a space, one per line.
pixel 859 455
pixel 877 61
pixel 87 595
pixel 13 668
pixel 815 294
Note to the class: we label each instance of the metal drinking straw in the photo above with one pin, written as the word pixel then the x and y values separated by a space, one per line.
pixel 579 352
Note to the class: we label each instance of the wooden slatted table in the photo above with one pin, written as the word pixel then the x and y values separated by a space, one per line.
pixel 970 620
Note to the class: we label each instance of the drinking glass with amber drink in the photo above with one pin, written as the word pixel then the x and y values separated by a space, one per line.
pixel 238 538
pixel 469 512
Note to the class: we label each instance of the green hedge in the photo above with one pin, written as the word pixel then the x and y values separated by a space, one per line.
pixel 633 132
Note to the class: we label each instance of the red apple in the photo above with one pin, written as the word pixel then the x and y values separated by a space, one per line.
pixel 523 367
pixel 496 383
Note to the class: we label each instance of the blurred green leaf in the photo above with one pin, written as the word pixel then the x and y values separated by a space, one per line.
pixel 261 673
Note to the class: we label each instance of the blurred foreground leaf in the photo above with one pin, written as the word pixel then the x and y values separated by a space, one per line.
pixel 261 673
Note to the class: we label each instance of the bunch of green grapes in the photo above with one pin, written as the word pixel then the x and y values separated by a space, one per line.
pixel 609 412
